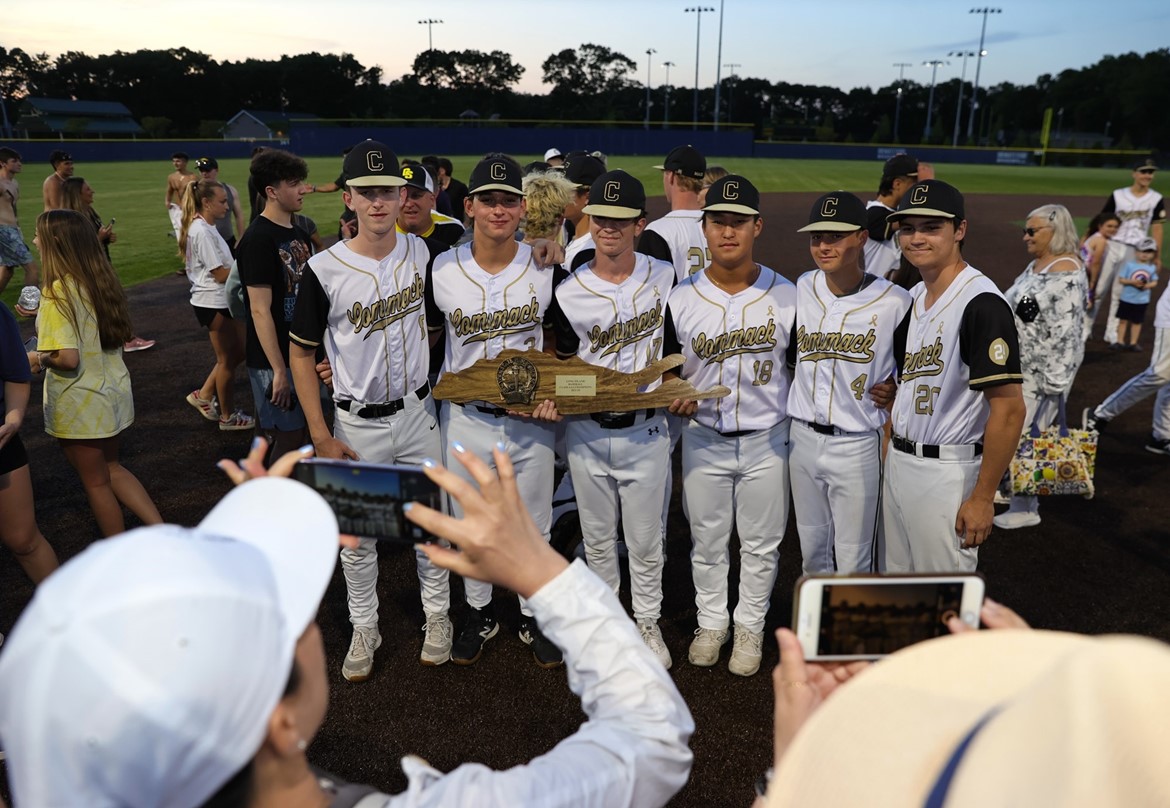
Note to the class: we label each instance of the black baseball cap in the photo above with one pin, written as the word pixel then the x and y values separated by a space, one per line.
pixel 1146 165
pixel 616 195
pixel 835 212
pixel 417 176
pixel 206 164
pixel 59 156
pixel 371 164
pixel 900 165
pixel 732 194
pixel 534 166
pixel 497 172
pixel 685 160
pixel 933 198
pixel 583 170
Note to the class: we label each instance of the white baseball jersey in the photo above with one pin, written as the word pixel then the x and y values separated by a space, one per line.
pixel 843 346
pixel 966 341
pixel 576 246
pixel 618 326
pixel 738 341
pixel 1137 213
pixel 678 238
pixel 882 254
pixel 371 317
pixel 485 313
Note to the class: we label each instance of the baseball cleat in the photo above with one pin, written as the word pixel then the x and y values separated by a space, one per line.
pixel 480 627
pixel 704 650
pixel 437 637
pixel 359 661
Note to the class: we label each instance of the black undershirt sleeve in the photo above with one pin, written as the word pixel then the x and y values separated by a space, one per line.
pixel 900 335
pixel 670 343
pixel 655 246
pixel 988 342
pixel 310 313
pixel 875 222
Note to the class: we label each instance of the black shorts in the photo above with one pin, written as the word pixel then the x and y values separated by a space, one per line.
pixel 1131 312
pixel 206 316
pixel 13 455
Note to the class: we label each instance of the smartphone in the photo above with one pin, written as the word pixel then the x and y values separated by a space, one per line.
pixel 847 617
pixel 367 498
pixel 113 221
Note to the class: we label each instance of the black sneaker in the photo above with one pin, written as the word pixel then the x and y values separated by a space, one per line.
pixel 479 627
pixel 1092 422
pixel 544 652
pixel 1157 446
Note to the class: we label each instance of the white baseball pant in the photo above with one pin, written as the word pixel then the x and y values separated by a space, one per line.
pixel 836 493
pixel 528 442
pixel 921 497
pixel 408 437
pixel 1117 255
pixel 622 471
pixel 1155 378
pixel 741 481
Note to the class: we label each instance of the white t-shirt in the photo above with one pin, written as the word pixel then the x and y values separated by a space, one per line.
pixel 206 250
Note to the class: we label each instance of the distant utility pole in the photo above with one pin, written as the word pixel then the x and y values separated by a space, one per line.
pixel 731 87
pixel 698 11
pixel 933 63
pixel 428 23
pixel 649 52
pixel 666 101
pixel 978 64
pixel 901 86
pixel 959 106
pixel 718 59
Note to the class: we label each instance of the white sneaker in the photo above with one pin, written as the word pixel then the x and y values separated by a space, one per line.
pixel 436 647
pixel 652 636
pixel 1010 520
pixel 704 650
pixel 746 652
pixel 359 661
pixel 1001 498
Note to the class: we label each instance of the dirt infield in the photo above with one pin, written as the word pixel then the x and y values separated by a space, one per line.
pixel 1093 566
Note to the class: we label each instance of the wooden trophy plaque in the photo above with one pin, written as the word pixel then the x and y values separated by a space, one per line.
pixel 519 380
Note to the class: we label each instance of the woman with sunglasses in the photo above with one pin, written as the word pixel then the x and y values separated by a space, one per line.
pixel 1049 304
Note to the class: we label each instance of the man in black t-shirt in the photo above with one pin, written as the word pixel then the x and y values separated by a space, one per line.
pixel 271 256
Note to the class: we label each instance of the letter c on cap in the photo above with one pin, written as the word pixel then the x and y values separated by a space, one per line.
pixel 919 195
pixel 731 190
pixel 611 191
pixel 499 171
pixel 829 208
pixel 374 161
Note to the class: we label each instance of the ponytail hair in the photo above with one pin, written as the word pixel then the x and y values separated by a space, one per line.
pixel 195 195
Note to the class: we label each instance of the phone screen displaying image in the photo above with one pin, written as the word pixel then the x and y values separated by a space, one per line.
pixel 367 498
pixel 859 619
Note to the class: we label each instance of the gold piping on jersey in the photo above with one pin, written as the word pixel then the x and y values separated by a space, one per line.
pixel 482 326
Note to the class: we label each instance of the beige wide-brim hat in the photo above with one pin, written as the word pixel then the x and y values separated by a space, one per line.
pixel 1082 722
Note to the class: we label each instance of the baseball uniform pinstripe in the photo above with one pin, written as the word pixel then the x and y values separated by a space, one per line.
pixel 735 450
pixel 484 314
pixel 371 319
pixel 843 346
pixel 964 343
pixel 619 468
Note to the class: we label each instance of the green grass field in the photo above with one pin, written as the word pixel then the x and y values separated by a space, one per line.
pixel 146 249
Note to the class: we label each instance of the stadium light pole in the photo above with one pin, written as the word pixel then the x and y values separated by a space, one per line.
pixel 718 60
pixel 901 85
pixel 959 106
pixel 934 63
pixel 731 87
pixel 978 64
pixel 698 12
pixel 649 53
pixel 428 23
pixel 666 101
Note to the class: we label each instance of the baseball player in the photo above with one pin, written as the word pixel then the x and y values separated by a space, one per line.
pixel 678 237
pixel 1142 212
pixel 492 297
pixel 581 170
pixel 843 344
pixel 363 299
pixel 732 323
pixel 609 312
pixel 881 248
pixel 959 410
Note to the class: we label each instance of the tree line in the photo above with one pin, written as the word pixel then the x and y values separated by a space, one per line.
pixel 1115 102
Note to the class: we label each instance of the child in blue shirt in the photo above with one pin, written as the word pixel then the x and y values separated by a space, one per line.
pixel 1137 278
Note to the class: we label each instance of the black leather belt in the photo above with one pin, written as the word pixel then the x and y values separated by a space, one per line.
pixel 388 408
pixel 932 451
pixel 494 412
pixel 821 429
pixel 743 433
pixel 619 420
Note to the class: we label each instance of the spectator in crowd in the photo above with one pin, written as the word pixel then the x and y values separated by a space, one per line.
pixel 455 190
pixel 54 184
pixel 209 261
pixel 546 195
pixel 232 224
pixel 18 529
pixel 1048 300
pixel 88 403
pixel 714 172
pixel 418 214
pixel 1094 249
pixel 177 182
pixel 554 157
pixel 1136 279
pixel 79 197
pixel 13 251
pixel 256 197
pixel 245 585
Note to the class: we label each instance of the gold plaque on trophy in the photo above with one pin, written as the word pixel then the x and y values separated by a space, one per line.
pixel 519 380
